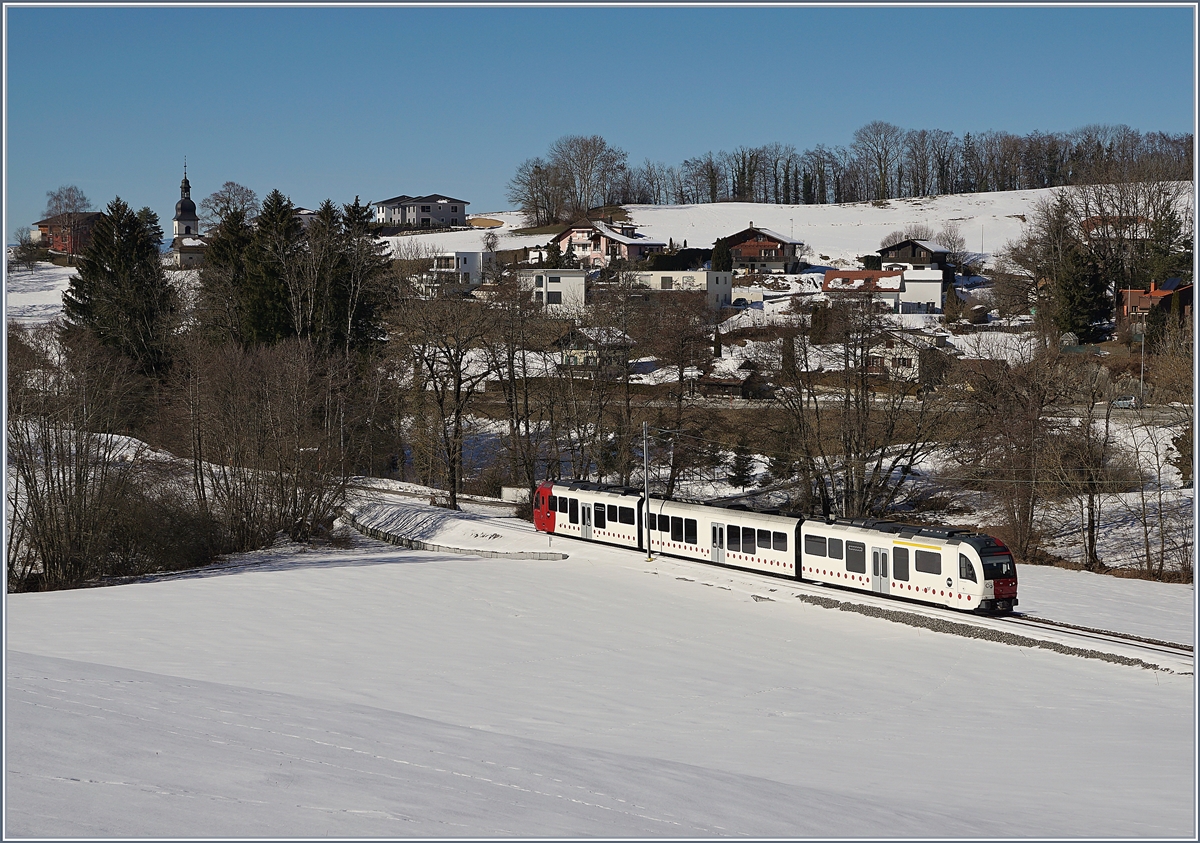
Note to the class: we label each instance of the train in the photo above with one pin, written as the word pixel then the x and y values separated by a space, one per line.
pixel 952 567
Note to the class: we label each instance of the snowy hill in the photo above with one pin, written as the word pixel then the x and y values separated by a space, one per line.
pixel 835 232
pixel 373 691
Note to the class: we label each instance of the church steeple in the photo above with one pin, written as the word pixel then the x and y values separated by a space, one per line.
pixel 187 224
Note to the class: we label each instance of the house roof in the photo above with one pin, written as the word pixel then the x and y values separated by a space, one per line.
pixel 636 239
pixel 65 219
pixel 924 244
pixel 395 200
pixel 861 281
pixel 435 198
pixel 774 235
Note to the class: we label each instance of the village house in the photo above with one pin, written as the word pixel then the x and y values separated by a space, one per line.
pixel 595 243
pixel 561 291
pixel 910 356
pixel 882 286
pixel 716 286
pixel 595 352
pixel 1135 304
pixel 760 250
pixel 67 233
pixel 928 273
pixel 432 211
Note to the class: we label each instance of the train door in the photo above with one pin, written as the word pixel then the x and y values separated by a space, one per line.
pixel 879 570
pixel 718 543
pixel 585 527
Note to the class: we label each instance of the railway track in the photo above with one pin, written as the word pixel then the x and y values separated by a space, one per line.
pixel 1017 629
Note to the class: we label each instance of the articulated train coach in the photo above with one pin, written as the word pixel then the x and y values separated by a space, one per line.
pixel 950 567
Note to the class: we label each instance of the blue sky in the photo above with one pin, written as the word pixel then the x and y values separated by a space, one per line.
pixel 336 102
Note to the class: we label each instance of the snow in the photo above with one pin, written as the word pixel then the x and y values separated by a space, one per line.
pixel 34 296
pixel 375 691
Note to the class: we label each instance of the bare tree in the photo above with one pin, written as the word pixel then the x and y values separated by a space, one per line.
pixel 446 340
pixel 230 197
pixel 880 143
pixel 589 168
pixel 69 203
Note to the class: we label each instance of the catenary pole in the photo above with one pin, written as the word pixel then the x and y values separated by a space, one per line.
pixel 646 484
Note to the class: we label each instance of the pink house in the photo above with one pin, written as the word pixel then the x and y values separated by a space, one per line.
pixel 595 243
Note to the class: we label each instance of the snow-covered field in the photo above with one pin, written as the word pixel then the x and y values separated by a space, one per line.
pixel 376 691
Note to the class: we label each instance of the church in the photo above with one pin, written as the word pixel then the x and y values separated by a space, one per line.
pixel 187 247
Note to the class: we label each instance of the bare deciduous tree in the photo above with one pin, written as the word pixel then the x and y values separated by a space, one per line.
pixel 230 197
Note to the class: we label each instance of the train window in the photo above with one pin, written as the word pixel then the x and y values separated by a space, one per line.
pixel 928 563
pixel 734 537
pixel 562 504
pixel 573 510
pixel 998 567
pixel 625 515
pixel 676 528
pixel 779 541
pixel 814 545
pixel 856 557
pixel 689 531
pixel 764 539
pixel 966 571
pixel 900 564
pixel 664 523
pixel 553 502
pixel 601 522
pixel 835 548
pixel 612 512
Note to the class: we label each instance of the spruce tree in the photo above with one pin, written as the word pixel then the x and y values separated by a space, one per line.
pixel 221 304
pixel 120 293
pixel 271 261
pixel 722 258
pixel 741 472
pixel 1080 296
pixel 360 294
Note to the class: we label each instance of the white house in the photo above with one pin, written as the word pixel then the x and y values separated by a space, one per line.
pixel 717 286
pixel 560 290
pixel 432 211
pixel 596 243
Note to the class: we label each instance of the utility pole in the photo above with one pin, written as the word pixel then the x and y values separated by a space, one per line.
pixel 646 483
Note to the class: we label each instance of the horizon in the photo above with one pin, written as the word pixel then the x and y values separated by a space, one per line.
pixel 385 127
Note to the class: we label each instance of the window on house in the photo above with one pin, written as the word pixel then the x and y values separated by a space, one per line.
pixel 454 208
pixel 537 281
pixel 903 362
pixel 424 209
pixel 537 296
pixel 666 282
pixel 554 297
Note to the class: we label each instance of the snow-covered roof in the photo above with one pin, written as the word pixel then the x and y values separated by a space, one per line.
pixel 843 280
pixel 636 239
pixel 775 235
pixel 931 245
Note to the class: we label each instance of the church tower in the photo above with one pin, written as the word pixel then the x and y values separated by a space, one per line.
pixel 187 247
pixel 187 224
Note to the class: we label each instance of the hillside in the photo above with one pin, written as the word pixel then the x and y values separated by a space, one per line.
pixel 835 232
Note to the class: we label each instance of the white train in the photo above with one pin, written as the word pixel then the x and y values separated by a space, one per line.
pixel 957 568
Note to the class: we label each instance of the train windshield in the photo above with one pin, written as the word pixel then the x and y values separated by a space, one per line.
pixel 999 567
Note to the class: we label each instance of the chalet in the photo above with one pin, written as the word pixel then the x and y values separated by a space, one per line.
pixel 882 286
pixel 1115 227
pixel 433 211
pixel 595 243
pixel 746 382
pixel 68 233
pixel 909 356
pixel 761 250
pixel 593 352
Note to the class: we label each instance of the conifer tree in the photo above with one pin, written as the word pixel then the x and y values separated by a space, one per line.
pixel 1080 296
pixel 741 472
pixel 120 293
pixel 722 258
pixel 269 268
pixel 221 304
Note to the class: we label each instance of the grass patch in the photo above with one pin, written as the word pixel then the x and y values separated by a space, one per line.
pixel 484 222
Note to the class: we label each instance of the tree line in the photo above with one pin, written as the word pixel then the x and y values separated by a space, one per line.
pixel 883 161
